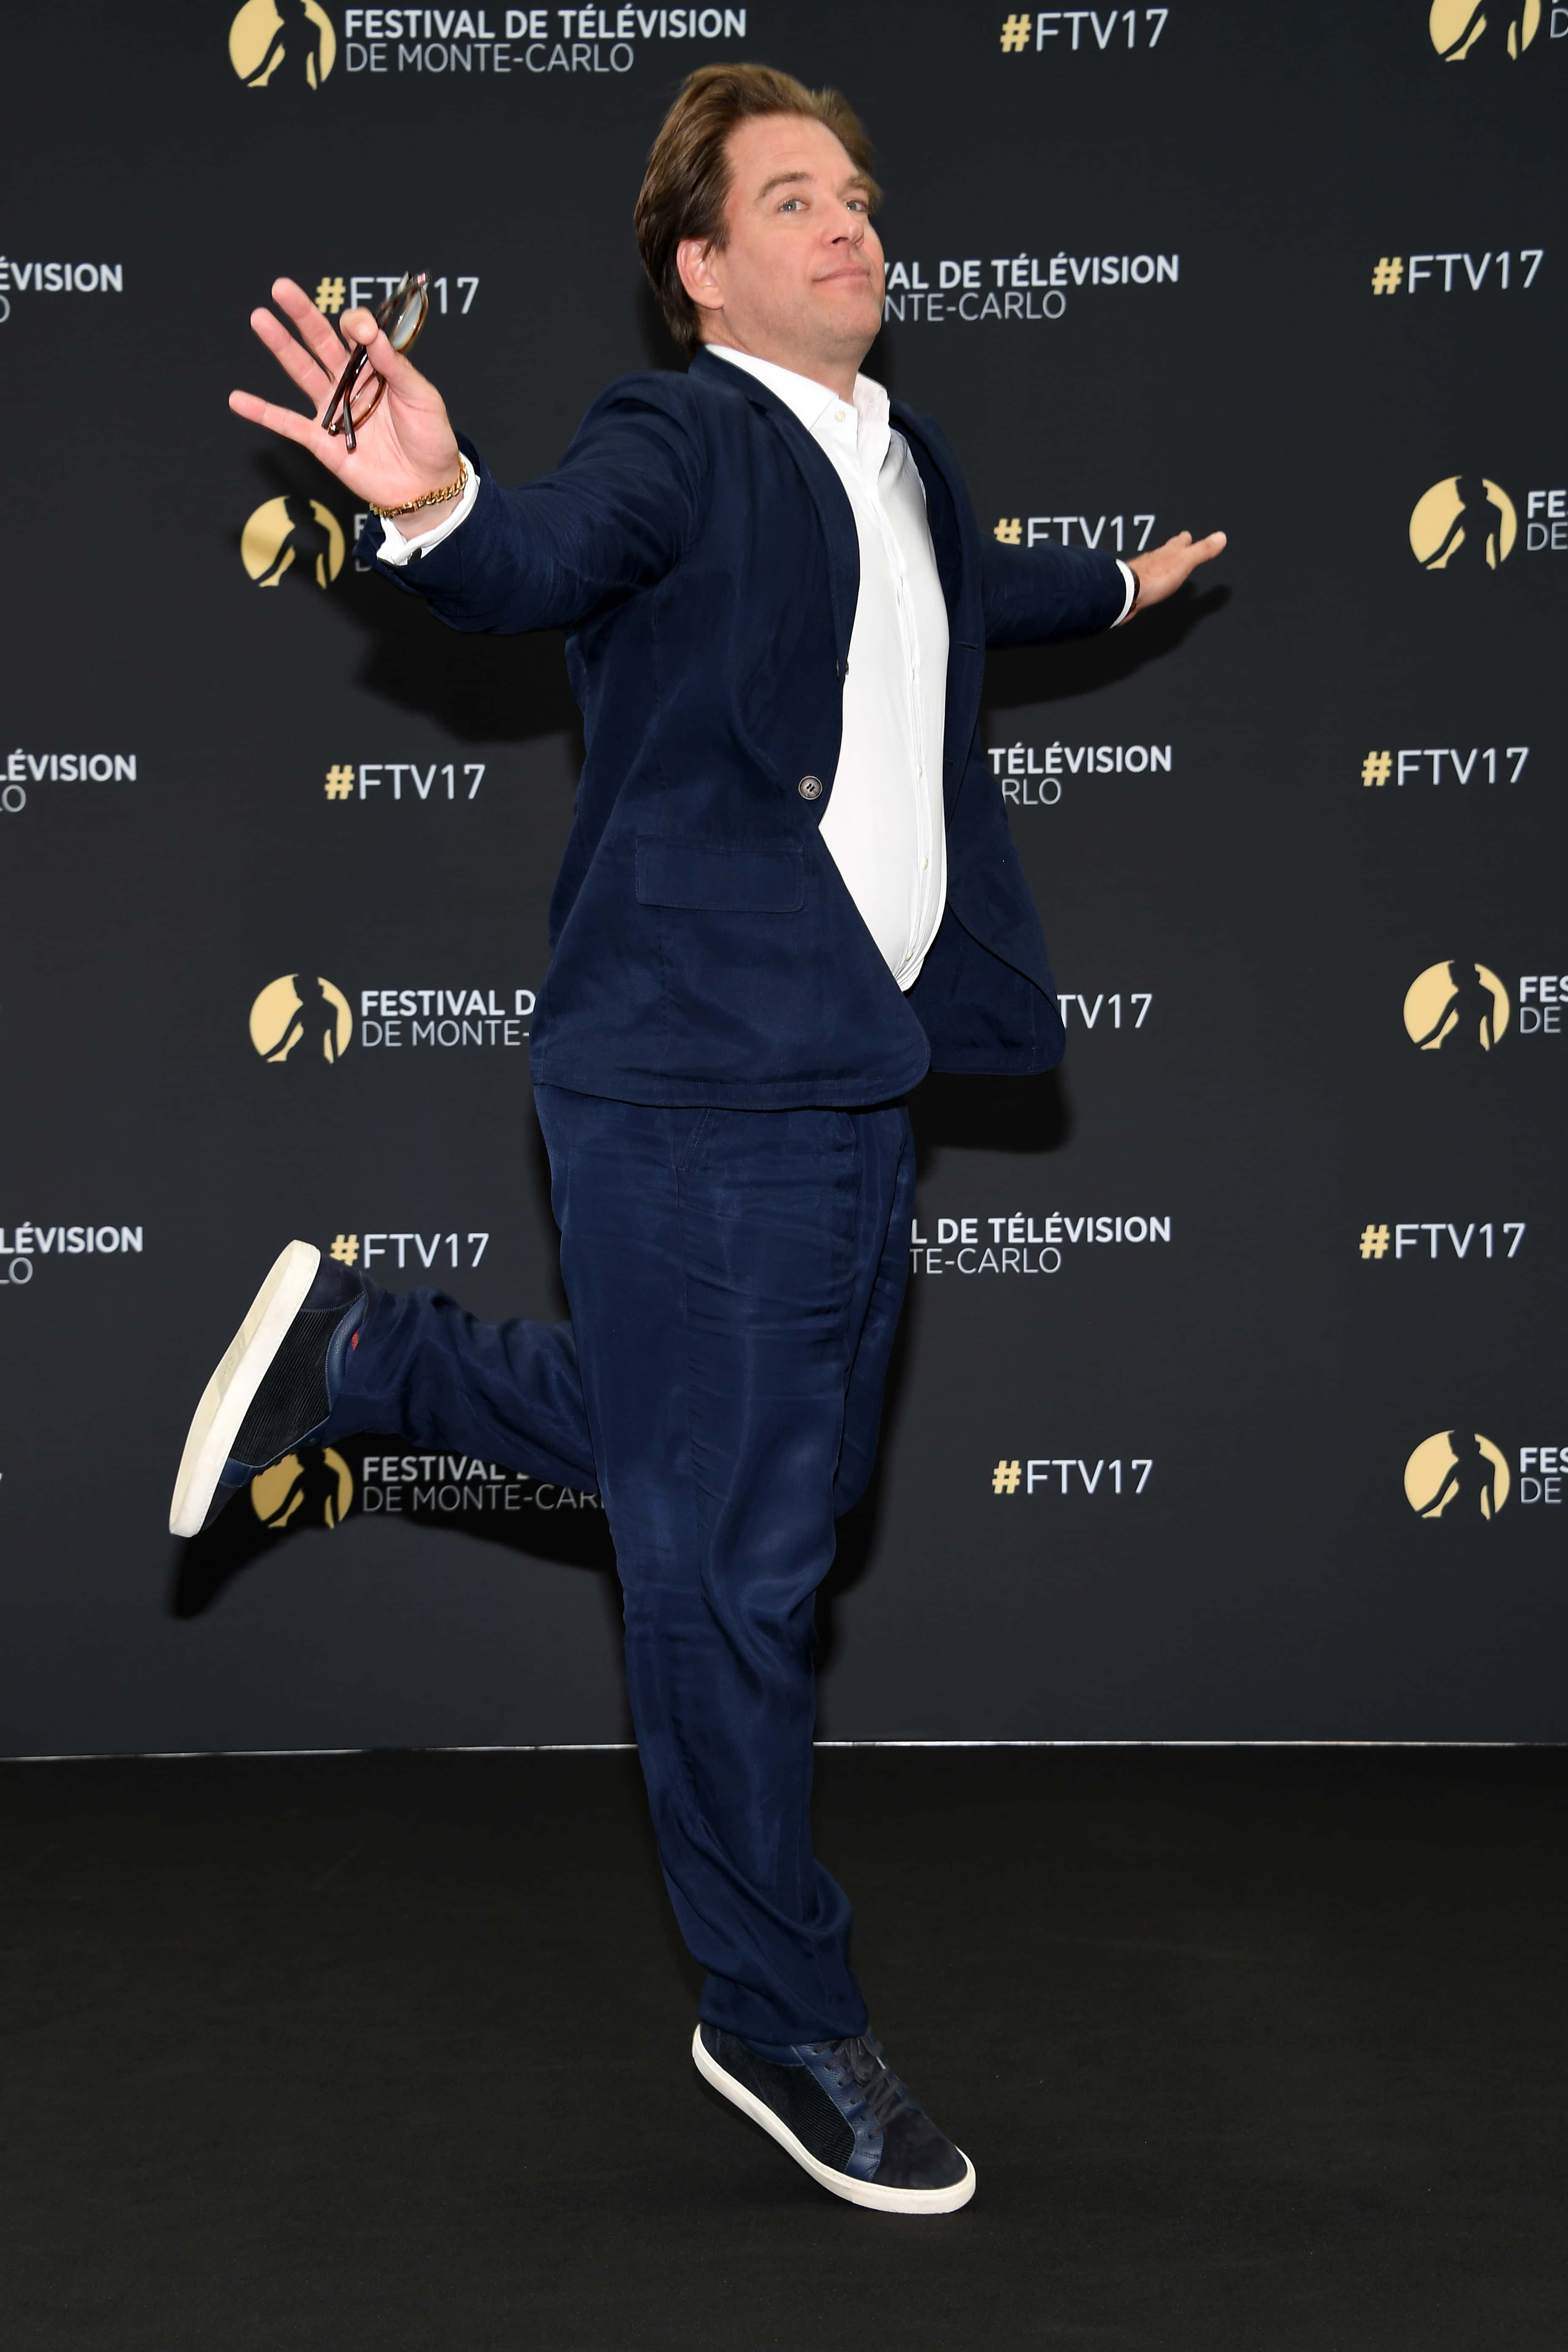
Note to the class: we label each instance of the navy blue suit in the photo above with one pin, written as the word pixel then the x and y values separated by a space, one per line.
pixel 718 1055
pixel 701 549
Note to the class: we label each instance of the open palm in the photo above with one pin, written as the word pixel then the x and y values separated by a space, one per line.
pixel 406 449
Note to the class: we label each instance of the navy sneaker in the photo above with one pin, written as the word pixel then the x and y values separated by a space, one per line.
pixel 278 1379
pixel 844 2118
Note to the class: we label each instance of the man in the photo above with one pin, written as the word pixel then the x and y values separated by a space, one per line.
pixel 788 891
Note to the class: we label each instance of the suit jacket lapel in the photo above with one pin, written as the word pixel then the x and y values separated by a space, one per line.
pixel 957 562
pixel 832 499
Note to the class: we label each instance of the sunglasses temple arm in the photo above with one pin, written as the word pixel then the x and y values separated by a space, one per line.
pixel 339 399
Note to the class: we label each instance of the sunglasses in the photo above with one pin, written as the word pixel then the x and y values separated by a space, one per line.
pixel 360 389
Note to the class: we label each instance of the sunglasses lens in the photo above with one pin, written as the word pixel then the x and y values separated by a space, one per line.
pixel 404 320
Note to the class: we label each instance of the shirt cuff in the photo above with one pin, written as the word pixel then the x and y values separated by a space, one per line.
pixel 1131 579
pixel 396 550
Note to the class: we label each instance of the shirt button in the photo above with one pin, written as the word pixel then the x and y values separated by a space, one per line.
pixel 841 415
pixel 810 788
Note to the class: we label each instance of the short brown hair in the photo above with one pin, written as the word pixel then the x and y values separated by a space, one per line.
pixel 686 181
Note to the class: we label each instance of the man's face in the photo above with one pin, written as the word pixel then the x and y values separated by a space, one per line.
pixel 800 275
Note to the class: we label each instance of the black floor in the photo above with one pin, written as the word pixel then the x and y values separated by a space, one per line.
pixel 389 2054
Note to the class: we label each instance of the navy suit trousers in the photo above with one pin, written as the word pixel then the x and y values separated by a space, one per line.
pixel 735 1278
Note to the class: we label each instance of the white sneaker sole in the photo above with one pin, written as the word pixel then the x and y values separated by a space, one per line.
pixel 228 1395
pixel 838 2184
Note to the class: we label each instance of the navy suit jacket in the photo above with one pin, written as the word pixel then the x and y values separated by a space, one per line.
pixel 701 549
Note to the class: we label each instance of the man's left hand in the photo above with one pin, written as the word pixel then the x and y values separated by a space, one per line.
pixel 1161 571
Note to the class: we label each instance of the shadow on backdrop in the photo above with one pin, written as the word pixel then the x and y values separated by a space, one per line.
pixel 478 688
pixel 314 1491
pixel 1025 674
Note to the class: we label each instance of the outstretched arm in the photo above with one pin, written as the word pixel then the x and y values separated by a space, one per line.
pixel 1165 569
pixel 1038 593
pixel 613 517
pixel 1033 594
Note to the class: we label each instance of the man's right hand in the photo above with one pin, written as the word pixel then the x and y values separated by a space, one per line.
pixel 406 449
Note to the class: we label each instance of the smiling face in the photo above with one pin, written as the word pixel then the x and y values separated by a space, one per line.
pixel 799 278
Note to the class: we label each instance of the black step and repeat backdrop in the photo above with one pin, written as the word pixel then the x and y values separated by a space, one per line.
pixel 1230 1400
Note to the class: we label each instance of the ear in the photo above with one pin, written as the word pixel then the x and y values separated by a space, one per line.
pixel 694 261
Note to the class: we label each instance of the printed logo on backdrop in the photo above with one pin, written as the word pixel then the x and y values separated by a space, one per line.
pixel 1032 779
pixel 57 278
pixel 1499 271
pixel 1457 1470
pixel 302 1009
pixel 1119 534
pixel 312 1487
pixel 499 42
pixel 1106 1009
pixel 1463 522
pixel 1468 520
pixel 450 296
pixel 22 1246
pixel 1071 1477
pixel 288 530
pixel 1457 1006
pixel 1482 763
pixel 1024 1243
pixel 1081 32
pixel 407 1248
pixel 442 1487
pixel 1021 287
pixel 1429 1241
pixel 301 1018
pixel 21 768
pixel 1457 26
pixel 282 45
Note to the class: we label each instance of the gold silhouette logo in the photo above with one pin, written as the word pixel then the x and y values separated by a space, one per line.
pixel 1460 1001
pixel 297 1009
pixel 1462 523
pixel 273 43
pixel 1457 1470
pixel 290 528
pixel 311 1488
pixel 1456 25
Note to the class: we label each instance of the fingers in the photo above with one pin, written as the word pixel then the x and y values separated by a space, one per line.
pixel 300 365
pixel 315 331
pixel 361 327
pixel 290 424
pixel 1202 551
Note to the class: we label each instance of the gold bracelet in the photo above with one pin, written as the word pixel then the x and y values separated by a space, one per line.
pixel 431 498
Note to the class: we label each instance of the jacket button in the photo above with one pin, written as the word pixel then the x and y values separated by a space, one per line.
pixel 810 788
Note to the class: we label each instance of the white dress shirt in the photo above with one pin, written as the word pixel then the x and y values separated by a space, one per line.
pixel 883 824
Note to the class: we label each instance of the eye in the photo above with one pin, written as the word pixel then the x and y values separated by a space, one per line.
pixel 791 201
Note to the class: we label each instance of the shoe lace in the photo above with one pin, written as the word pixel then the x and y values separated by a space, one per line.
pixel 857 2065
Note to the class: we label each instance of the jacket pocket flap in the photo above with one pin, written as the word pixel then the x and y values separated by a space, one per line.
pixel 719 878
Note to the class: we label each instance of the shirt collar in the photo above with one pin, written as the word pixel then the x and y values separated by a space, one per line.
pixel 809 400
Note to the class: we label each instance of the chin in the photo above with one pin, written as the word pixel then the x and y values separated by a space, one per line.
pixel 855 317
